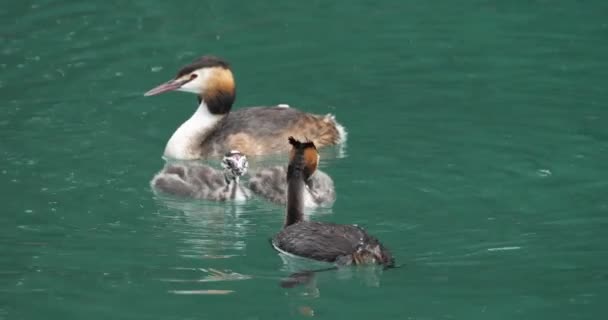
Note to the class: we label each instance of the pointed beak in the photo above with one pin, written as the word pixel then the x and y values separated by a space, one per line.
pixel 170 85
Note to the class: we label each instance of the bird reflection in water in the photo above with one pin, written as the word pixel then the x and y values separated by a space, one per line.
pixel 206 231
pixel 211 230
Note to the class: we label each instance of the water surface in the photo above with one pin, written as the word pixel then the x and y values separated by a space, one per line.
pixel 478 152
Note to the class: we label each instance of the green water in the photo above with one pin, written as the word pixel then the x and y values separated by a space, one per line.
pixel 477 151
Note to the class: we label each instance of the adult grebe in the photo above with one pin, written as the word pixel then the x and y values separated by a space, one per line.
pixel 196 180
pixel 212 129
pixel 329 242
pixel 270 183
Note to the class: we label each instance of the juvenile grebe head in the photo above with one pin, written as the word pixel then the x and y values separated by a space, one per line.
pixel 235 165
pixel 208 77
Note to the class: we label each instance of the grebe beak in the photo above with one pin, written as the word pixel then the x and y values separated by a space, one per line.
pixel 170 85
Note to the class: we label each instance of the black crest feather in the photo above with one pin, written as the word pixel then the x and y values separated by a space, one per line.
pixel 301 145
pixel 203 62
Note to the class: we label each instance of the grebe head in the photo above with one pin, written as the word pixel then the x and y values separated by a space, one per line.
pixel 303 154
pixel 373 254
pixel 235 165
pixel 208 77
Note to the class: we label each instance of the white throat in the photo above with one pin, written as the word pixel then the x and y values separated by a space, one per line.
pixel 237 192
pixel 186 141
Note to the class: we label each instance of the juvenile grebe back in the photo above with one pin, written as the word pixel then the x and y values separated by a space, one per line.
pixel 271 184
pixel 196 180
pixel 212 129
pixel 337 243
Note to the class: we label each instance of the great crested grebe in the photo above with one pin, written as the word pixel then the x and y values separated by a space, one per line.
pixel 212 129
pixel 270 183
pixel 200 181
pixel 336 243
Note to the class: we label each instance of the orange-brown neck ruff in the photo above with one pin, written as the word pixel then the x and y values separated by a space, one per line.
pixel 311 160
pixel 220 91
pixel 308 153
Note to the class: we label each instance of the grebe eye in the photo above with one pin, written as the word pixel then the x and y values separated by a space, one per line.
pixel 193 76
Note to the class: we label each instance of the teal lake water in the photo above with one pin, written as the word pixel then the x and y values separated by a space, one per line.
pixel 477 152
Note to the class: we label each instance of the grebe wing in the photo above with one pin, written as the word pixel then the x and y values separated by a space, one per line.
pixel 262 121
pixel 264 130
pixel 320 241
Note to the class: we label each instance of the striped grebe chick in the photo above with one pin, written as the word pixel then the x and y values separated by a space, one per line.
pixel 271 184
pixel 196 180
pixel 212 129
pixel 329 242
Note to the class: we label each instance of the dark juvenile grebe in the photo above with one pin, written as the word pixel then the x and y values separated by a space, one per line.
pixel 270 183
pixel 212 129
pixel 329 242
pixel 203 182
